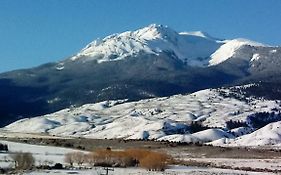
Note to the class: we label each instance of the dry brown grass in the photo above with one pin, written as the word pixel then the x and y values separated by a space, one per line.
pixel 113 158
pixel 133 157
pixel 126 158
pixel 155 161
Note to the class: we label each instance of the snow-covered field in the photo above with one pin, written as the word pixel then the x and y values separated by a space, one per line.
pixel 42 154
pixel 272 164
pixel 164 118
pixel 53 155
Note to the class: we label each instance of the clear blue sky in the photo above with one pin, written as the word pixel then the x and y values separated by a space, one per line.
pixel 33 32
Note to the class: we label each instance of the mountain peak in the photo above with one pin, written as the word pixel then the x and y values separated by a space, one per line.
pixel 155 31
pixel 153 39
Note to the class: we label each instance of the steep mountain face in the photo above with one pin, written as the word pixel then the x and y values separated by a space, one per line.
pixel 150 62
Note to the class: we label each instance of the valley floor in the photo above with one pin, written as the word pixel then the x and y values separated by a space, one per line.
pixel 220 161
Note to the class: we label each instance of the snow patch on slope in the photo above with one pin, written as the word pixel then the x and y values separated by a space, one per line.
pixel 201 136
pixel 229 49
pixel 255 57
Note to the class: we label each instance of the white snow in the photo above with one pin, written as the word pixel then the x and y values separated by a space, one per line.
pixel 273 164
pixel 256 56
pixel 197 33
pixel 157 118
pixel 195 48
pixel 241 131
pixel 269 135
pixel 190 47
pixel 228 49
pixel 40 153
pixel 201 137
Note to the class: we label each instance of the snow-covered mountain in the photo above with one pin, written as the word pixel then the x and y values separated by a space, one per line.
pixel 167 118
pixel 154 61
pixel 194 48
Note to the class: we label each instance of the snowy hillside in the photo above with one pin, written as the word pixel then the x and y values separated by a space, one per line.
pixel 167 118
pixel 269 135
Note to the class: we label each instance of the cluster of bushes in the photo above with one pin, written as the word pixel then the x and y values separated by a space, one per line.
pixel 3 147
pixel 26 161
pixel 197 126
pixel 75 157
pixel 233 92
pixel 150 160
pixel 266 90
pixel 235 124
pixel 260 119
pixel 256 120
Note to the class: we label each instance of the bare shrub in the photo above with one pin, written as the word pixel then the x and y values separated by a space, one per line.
pixel 90 159
pixel 79 158
pixel 69 158
pixel 75 157
pixel 23 160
